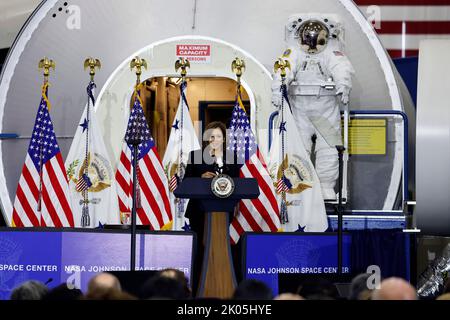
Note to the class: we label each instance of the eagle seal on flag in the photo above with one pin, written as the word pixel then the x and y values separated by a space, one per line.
pixel 99 175
pixel 297 175
pixel 171 170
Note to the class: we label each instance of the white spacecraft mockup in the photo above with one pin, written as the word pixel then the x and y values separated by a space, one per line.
pixel 160 31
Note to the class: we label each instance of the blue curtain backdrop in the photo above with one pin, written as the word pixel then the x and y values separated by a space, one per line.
pixel 388 249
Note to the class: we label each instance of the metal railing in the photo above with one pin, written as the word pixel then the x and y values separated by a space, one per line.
pixel 369 113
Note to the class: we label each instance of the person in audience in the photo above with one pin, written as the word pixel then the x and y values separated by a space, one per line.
pixel 62 292
pixel 318 289
pixel 180 277
pixel 395 289
pixel 288 296
pixel 319 296
pixel 102 282
pixel 161 287
pixel 108 294
pixel 29 290
pixel 251 289
pixel 359 289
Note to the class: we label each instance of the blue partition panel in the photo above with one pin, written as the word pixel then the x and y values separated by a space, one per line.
pixel 74 256
pixel 268 254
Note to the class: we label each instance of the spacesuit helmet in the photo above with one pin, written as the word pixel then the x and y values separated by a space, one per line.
pixel 313 36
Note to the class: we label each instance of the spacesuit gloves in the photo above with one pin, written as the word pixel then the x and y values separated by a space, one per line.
pixel 344 91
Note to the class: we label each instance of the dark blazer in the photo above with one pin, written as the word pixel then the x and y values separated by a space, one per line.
pixel 199 164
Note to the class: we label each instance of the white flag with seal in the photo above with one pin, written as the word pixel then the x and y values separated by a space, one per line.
pixel 182 141
pixel 91 177
pixel 295 179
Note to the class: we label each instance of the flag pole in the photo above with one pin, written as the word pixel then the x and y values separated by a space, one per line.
pixel 92 64
pixel 182 64
pixel 137 64
pixel 238 67
pixel 282 64
pixel 340 209
pixel 45 64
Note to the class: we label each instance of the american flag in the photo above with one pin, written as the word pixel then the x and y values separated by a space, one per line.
pixel 42 197
pixel 404 23
pixel 173 183
pixel 283 185
pixel 83 183
pixel 153 207
pixel 262 213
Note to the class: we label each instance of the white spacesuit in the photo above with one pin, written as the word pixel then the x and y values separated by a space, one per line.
pixel 318 81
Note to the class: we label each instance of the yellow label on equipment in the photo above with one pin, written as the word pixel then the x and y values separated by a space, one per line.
pixel 367 136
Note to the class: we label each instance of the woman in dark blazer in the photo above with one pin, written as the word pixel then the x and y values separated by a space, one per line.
pixel 207 163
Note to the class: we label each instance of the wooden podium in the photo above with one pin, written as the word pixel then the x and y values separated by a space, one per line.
pixel 217 276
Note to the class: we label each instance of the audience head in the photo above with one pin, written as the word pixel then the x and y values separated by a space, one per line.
pixel 318 289
pixel 251 289
pixel 163 287
pixel 109 294
pixel 29 290
pixel 395 289
pixel 62 292
pixel 359 289
pixel 288 296
pixel 178 276
pixel 102 283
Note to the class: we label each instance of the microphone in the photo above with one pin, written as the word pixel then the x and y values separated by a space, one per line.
pixel 48 281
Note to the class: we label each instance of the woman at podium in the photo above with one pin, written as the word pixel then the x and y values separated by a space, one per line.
pixel 214 159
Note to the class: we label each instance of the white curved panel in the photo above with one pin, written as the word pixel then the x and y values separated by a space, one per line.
pixel 114 30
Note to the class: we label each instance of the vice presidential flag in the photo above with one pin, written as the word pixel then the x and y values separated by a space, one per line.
pixel 260 214
pixel 42 197
pixel 182 141
pixel 153 206
pixel 91 177
pixel 294 176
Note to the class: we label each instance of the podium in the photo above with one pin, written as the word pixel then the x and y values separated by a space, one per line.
pixel 217 276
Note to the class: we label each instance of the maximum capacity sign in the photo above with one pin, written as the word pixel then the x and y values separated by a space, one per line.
pixel 195 53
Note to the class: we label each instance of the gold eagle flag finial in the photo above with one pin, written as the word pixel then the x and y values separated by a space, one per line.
pixel 46 64
pixel 92 64
pixel 182 63
pixel 238 67
pixel 137 64
pixel 282 64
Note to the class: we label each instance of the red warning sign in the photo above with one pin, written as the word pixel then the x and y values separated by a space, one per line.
pixel 199 53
